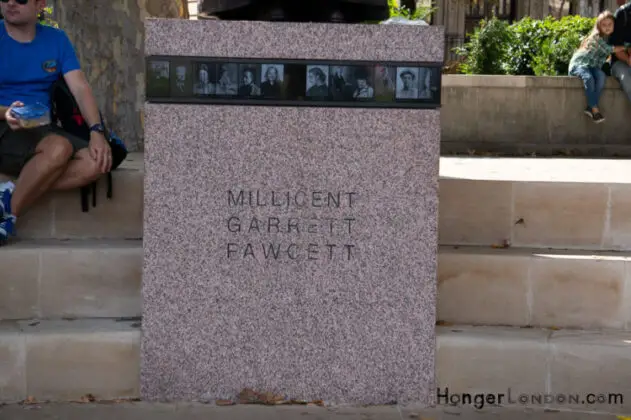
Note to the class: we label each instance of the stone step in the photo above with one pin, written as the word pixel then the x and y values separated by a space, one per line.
pixel 53 279
pixel 65 360
pixel 556 203
pixel 534 287
pixel 50 279
pixel 547 203
pixel 58 215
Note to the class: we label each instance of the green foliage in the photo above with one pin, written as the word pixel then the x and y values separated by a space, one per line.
pixel 421 12
pixel 45 17
pixel 486 50
pixel 527 47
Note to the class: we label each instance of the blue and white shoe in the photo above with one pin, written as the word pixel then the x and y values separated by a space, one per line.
pixel 6 190
pixel 7 228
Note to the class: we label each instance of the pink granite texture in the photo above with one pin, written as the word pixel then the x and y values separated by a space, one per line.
pixel 293 40
pixel 315 322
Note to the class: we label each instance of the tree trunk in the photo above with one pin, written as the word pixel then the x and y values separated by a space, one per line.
pixel 109 39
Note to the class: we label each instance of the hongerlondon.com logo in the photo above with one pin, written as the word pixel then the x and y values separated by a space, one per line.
pixel 480 400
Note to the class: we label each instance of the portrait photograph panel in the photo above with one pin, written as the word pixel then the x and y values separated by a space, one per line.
pixel 317 81
pixel 272 80
pixel 407 83
pixel 351 83
pixel 385 82
pixel 227 81
pixel 249 80
pixel 425 83
pixel 181 79
pixel 158 78
pixel 204 77
pixel 433 82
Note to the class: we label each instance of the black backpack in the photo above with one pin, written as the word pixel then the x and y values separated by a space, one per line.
pixel 65 112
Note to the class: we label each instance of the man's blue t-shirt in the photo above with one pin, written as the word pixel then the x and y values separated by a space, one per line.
pixel 28 70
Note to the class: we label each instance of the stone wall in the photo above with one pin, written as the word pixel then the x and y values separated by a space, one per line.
pixel 109 39
pixel 525 115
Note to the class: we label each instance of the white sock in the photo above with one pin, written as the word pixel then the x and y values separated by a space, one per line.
pixel 8 185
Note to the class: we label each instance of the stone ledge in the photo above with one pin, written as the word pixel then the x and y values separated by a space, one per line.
pixel 71 279
pixel 527 114
pixel 560 204
pixel 66 360
pixel 49 362
pixel 534 287
pixel 58 215
pixel 534 82
pixel 536 361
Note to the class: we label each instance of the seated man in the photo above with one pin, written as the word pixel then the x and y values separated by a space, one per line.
pixel 33 58
pixel 621 61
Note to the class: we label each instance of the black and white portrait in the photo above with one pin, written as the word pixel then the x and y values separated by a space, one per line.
pixel 362 83
pixel 407 83
pixel 181 79
pixel 385 82
pixel 205 74
pixel 340 83
pixel 351 83
pixel 250 83
pixel 272 76
pixel 317 81
pixel 158 78
pixel 160 69
pixel 425 83
pixel 227 79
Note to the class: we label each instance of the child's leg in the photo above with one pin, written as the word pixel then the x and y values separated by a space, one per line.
pixel 599 83
pixel 589 84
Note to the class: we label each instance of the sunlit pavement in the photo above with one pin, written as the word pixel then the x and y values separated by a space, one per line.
pixel 146 411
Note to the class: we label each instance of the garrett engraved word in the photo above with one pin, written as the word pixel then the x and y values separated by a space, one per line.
pixel 316 237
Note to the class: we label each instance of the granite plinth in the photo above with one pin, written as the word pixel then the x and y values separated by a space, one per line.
pixel 288 250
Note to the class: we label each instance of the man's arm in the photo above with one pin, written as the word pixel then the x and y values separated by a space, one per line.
pixel 622 55
pixel 82 92
pixel 3 111
pixel 620 35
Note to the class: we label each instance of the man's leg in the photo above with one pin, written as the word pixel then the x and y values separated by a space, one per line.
pixel 621 71
pixel 48 163
pixel 42 161
pixel 37 157
pixel 82 170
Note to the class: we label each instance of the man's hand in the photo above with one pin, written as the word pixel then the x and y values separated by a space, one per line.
pixel 14 123
pixel 100 151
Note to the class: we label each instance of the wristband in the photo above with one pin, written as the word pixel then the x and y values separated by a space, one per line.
pixel 97 128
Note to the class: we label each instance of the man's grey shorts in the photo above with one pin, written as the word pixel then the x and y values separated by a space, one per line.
pixel 18 147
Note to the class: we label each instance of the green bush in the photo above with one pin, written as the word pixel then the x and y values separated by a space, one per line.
pixel 486 50
pixel 527 47
pixel 421 12
pixel 45 17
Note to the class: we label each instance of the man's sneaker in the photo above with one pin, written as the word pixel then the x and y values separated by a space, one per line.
pixel 7 228
pixel 588 112
pixel 6 190
pixel 598 118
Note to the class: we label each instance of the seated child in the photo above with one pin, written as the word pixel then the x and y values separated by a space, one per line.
pixel 588 60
